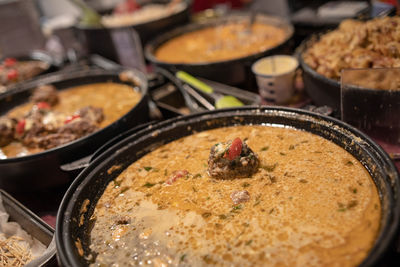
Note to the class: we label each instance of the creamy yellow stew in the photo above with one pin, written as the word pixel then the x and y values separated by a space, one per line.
pixel 225 42
pixel 309 203
pixel 114 98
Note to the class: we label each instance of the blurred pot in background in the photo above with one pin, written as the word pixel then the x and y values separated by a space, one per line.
pixel 19 27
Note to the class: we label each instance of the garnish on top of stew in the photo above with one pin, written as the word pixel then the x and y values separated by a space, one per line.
pixel 53 118
pixel 232 159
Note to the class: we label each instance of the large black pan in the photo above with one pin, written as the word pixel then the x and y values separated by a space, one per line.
pixel 233 72
pixel 42 170
pixel 73 218
pixel 100 40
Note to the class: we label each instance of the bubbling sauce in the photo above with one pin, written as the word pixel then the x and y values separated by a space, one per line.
pixel 311 203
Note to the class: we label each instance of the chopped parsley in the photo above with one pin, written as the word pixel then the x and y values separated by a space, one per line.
pixel 236 208
pixel 117 183
pixel 124 189
pixel 265 148
pixel 269 168
pixel 352 204
pixel 246 185
pixel 249 242
pixel 205 215
pixel 222 216
pixel 183 257
pixel 148 185
pixel 148 168
pixel 349 163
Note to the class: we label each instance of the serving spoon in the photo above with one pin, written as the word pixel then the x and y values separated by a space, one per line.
pixel 220 100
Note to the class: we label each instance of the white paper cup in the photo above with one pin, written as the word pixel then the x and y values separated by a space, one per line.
pixel 275 77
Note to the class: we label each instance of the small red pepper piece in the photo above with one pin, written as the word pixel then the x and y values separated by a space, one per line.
pixel 126 7
pixel 9 62
pixel 235 149
pixel 12 75
pixel 175 176
pixel 20 127
pixel 71 118
pixel 43 105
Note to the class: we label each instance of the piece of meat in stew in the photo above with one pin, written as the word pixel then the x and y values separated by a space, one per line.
pixel 7 129
pixel 92 114
pixel 45 128
pixel 232 159
pixel 45 93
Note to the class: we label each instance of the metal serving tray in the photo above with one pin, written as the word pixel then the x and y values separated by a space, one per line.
pixel 33 225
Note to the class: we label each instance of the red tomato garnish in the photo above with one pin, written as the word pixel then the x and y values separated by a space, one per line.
pixel 127 6
pixel 42 105
pixel 175 176
pixel 12 75
pixel 235 149
pixel 20 127
pixel 71 118
pixel 9 62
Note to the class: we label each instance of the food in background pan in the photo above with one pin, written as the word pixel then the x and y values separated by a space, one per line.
pixel 223 42
pixel 356 44
pixel 130 13
pixel 12 70
pixel 239 196
pixel 53 118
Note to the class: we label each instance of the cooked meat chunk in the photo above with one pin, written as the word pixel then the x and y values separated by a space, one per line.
pixel 7 128
pixel 91 114
pixel 45 93
pixel 39 136
pixel 232 159
pixel 78 127
pixel 50 140
pixel 29 131
pixel 240 196
pixel 175 176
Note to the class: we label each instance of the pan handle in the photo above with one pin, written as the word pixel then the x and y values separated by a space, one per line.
pixel 80 164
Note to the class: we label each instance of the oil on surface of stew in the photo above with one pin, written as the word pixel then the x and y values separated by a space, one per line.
pixel 303 201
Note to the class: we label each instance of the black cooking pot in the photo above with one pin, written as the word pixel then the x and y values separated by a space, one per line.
pixel 43 170
pixel 100 40
pixel 322 90
pixel 73 220
pixel 35 55
pixel 234 71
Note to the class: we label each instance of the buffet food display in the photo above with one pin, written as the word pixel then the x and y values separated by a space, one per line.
pixel 356 44
pixel 243 195
pixel 240 186
pixel 53 118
